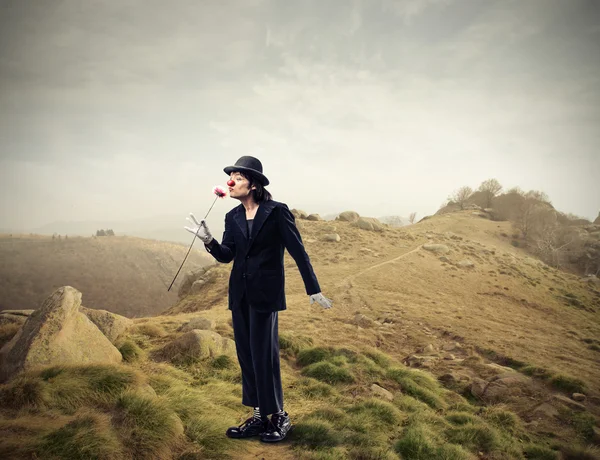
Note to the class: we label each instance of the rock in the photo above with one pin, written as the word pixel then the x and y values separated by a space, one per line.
pixel 197 286
pixel 420 360
pixel 199 276
pixel 331 237
pixel 544 411
pixel 498 368
pixel 299 213
pixel 313 217
pixel 448 378
pixel 25 313
pixel 11 318
pixel 445 260
pixel 436 248
pixel 363 321
pixel 451 346
pixel 505 386
pixel 465 264
pixel 478 387
pixel 348 216
pixel 568 402
pixel 111 324
pixel 381 392
pixel 449 356
pixel 368 223
pixel 56 333
pixel 578 397
pixel 147 390
pixel 200 323
pixel 427 349
pixel 198 344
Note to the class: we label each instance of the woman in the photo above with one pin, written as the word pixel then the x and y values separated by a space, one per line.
pixel 256 233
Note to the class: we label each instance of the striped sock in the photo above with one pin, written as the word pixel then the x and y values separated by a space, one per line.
pixel 281 412
pixel 257 413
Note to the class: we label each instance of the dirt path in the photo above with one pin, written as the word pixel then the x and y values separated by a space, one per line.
pixel 347 279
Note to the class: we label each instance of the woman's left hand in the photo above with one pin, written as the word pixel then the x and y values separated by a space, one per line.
pixel 321 300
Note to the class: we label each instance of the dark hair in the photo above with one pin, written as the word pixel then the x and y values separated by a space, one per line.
pixel 260 193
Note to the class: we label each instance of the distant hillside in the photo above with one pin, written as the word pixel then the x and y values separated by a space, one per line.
pixel 164 227
pixel 125 275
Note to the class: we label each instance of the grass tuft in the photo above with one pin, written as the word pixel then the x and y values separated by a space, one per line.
pixel 327 372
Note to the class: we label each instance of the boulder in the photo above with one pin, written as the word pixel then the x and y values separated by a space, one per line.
pixel 299 213
pixel 197 286
pixel 465 264
pixel 436 248
pixel 14 316
pixel 348 216
pixel 313 217
pixel 363 321
pixel 381 392
pixel 478 387
pixel 198 344
pixel 111 324
pixel 505 386
pixel 563 400
pixel 331 237
pixel 368 223
pixel 200 323
pixel 56 333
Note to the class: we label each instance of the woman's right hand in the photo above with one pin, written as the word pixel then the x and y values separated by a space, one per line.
pixel 200 229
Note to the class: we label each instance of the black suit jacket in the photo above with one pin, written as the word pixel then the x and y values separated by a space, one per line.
pixel 258 258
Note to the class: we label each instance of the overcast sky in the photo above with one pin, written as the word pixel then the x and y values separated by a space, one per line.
pixel 122 109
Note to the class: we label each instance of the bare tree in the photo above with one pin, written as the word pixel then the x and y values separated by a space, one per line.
pixel 538 195
pixel 461 196
pixel 516 190
pixel 411 217
pixel 490 188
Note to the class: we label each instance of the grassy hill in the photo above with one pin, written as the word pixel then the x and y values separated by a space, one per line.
pixel 121 274
pixel 427 326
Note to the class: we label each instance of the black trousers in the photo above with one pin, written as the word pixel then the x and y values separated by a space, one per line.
pixel 257 344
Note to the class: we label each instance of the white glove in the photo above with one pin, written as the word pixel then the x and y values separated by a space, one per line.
pixel 200 229
pixel 321 300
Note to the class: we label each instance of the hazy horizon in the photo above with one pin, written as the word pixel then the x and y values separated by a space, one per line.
pixel 117 111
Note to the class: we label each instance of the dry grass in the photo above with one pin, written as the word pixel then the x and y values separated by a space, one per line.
pixel 507 309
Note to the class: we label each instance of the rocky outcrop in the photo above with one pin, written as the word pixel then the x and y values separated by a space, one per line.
pixel 299 213
pixel 14 316
pixel 111 324
pixel 199 322
pixel 198 345
pixel 331 237
pixel 56 333
pixel 368 223
pixel 348 216
pixel 436 248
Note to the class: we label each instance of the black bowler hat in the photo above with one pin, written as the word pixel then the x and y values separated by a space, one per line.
pixel 250 165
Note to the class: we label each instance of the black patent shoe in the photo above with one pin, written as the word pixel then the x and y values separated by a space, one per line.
pixel 251 427
pixel 278 428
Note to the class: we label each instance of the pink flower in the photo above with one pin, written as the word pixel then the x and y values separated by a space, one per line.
pixel 219 191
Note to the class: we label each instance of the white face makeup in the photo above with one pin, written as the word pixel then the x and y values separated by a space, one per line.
pixel 241 184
